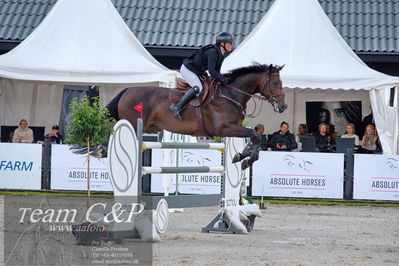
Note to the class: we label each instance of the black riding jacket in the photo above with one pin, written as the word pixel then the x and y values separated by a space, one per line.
pixel 212 59
pixel 287 139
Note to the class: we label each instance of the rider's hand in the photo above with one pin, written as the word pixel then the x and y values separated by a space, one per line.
pixel 224 80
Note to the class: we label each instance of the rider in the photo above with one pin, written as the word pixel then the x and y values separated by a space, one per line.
pixel 209 58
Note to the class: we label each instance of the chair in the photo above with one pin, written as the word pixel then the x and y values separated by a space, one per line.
pixel 344 143
pixel 11 135
pixel 308 144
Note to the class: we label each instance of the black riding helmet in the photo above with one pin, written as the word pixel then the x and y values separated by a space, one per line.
pixel 224 37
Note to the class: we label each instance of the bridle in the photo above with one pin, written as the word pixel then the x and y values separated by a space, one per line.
pixel 266 86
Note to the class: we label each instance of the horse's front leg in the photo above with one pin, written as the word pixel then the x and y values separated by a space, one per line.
pixel 233 130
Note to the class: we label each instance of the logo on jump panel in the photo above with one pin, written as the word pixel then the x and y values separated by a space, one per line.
pixel 122 155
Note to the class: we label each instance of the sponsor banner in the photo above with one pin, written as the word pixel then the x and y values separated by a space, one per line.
pixel 69 170
pixel 200 183
pixel 298 174
pixel 376 177
pixel 20 166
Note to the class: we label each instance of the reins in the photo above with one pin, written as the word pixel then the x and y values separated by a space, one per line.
pixel 271 100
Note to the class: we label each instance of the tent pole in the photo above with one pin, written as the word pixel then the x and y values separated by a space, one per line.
pixel 294 125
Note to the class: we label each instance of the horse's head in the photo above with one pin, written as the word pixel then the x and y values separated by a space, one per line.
pixel 272 88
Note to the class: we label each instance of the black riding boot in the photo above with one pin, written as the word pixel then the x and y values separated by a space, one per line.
pixel 188 96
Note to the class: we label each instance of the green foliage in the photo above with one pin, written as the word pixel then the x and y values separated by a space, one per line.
pixel 217 139
pixel 245 123
pixel 89 121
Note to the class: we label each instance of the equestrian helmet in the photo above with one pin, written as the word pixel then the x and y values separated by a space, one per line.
pixel 224 37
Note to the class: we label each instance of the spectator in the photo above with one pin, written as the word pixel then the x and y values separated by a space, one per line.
pixel 302 131
pixel 369 119
pixel 323 138
pixel 350 133
pixel 55 135
pixel 250 148
pixel 283 140
pixel 260 128
pixel 370 141
pixel 23 134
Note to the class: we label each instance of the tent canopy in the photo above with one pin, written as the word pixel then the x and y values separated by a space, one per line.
pixel 300 35
pixel 84 42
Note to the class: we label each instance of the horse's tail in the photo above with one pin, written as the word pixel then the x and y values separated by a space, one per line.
pixel 113 104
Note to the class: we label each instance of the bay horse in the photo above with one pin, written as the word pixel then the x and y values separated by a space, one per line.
pixel 222 115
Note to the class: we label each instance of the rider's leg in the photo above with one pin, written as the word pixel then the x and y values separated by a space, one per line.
pixel 195 82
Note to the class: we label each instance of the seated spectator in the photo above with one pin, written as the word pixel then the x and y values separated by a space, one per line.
pixel 23 134
pixel 260 128
pixel 302 131
pixel 323 139
pixel 55 135
pixel 350 133
pixel 250 148
pixel 370 141
pixel 283 140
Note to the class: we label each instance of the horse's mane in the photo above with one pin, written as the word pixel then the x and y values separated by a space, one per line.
pixel 235 73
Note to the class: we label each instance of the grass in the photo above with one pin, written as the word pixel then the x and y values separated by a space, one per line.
pixel 329 203
pixel 271 201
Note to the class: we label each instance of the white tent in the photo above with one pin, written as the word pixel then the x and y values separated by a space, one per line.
pixel 300 35
pixel 79 42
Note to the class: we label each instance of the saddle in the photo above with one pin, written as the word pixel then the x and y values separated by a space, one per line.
pixel 207 94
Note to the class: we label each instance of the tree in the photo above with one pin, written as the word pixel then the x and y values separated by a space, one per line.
pixel 90 126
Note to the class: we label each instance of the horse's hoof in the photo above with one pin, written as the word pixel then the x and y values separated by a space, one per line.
pixel 236 158
pixel 245 164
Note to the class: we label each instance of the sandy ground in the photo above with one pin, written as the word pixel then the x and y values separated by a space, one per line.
pixel 286 235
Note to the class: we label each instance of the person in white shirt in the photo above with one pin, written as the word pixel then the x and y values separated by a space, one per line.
pixel 350 133
pixel 23 134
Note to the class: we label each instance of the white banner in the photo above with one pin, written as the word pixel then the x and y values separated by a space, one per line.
pixel 298 174
pixel 20 166
pixel 200 183
pixel 376 177
pixel 69 171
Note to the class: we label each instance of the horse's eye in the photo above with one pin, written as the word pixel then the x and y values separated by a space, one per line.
pixel 275 83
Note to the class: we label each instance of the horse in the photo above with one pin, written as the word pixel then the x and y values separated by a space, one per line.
pixel 222 115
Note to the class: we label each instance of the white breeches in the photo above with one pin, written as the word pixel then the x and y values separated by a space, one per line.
pixel 190 77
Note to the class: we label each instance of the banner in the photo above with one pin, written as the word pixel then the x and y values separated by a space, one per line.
pixel 69 170
pixel 200 183
pixel 376 177
pixel 298 174
pixel 20 166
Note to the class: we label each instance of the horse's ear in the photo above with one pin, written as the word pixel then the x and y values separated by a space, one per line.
pixel 270 68
pixel 280 67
